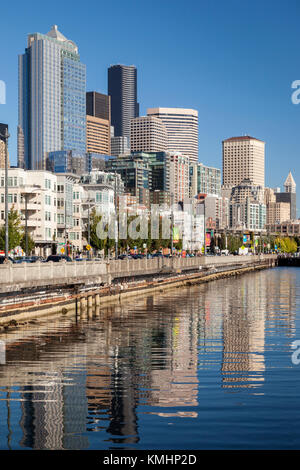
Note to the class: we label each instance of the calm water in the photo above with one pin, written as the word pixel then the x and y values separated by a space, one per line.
pixel 202 367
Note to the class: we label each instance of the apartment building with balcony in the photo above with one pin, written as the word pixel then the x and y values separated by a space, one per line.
pixel 33 195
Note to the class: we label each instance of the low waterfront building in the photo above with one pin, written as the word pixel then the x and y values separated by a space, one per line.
pixel 287 228
pixel 66 186
pixel 33 195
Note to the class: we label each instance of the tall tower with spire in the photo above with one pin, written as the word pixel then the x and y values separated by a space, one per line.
pixel 289 195
pixel 289 184
pixel 52 100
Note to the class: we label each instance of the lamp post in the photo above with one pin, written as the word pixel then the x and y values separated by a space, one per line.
pixel 89 203
pixel 5 136
pixel 172 225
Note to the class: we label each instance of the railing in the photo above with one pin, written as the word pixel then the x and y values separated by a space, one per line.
pixel 69 271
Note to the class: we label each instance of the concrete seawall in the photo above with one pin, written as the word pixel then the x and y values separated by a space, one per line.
pixel 14 277
pixel 83 297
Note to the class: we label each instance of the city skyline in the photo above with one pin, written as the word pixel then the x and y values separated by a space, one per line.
pixel 241 102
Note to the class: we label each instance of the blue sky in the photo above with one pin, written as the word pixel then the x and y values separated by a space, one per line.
pixel 234 61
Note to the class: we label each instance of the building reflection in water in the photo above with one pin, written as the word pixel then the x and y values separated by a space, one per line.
pixel 258 300
pixel 97 375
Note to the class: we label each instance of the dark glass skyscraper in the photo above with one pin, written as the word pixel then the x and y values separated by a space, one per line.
pixel 122 88
pixel 98 105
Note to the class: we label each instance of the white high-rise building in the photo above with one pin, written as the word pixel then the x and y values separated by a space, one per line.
pixel 243 158
pixel 148 134
pixel 182 129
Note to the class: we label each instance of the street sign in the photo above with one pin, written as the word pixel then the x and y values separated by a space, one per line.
pixel 62 250
pixel 88 247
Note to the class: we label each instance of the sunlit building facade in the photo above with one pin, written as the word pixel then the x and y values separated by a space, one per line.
pixel 52 101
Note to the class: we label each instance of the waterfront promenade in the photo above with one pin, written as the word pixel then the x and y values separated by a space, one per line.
pixel 31 290
pixel 14 277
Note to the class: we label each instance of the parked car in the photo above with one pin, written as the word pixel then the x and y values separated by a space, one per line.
pixel 10 259
pixel 157 255
pixel 57 258
pixel 34 259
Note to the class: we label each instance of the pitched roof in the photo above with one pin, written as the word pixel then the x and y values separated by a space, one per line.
pixel 290 180
pixel 55 34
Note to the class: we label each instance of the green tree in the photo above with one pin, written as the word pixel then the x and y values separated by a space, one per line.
pixel 15 231
pixel 31 243
pixel 95 242
pixel 222 241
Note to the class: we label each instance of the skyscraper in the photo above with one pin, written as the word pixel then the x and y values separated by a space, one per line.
pixel 243 158
pixel 52 102
pixel 98 123
pixel 3 129
pixel 289 195
pixel 182 130
pixel 148 134
pixel 122 88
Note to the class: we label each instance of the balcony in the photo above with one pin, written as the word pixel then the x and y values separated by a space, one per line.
pixel 32 222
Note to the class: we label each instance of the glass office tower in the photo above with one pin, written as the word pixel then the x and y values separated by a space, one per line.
pixel 52 100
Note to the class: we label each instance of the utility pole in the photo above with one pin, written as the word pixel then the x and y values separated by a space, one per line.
pixel 89 228
pixel 172 224
pixel 26 229
pixel 66 224
pixel 5 138
pixel 116 219
pixel 204 252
